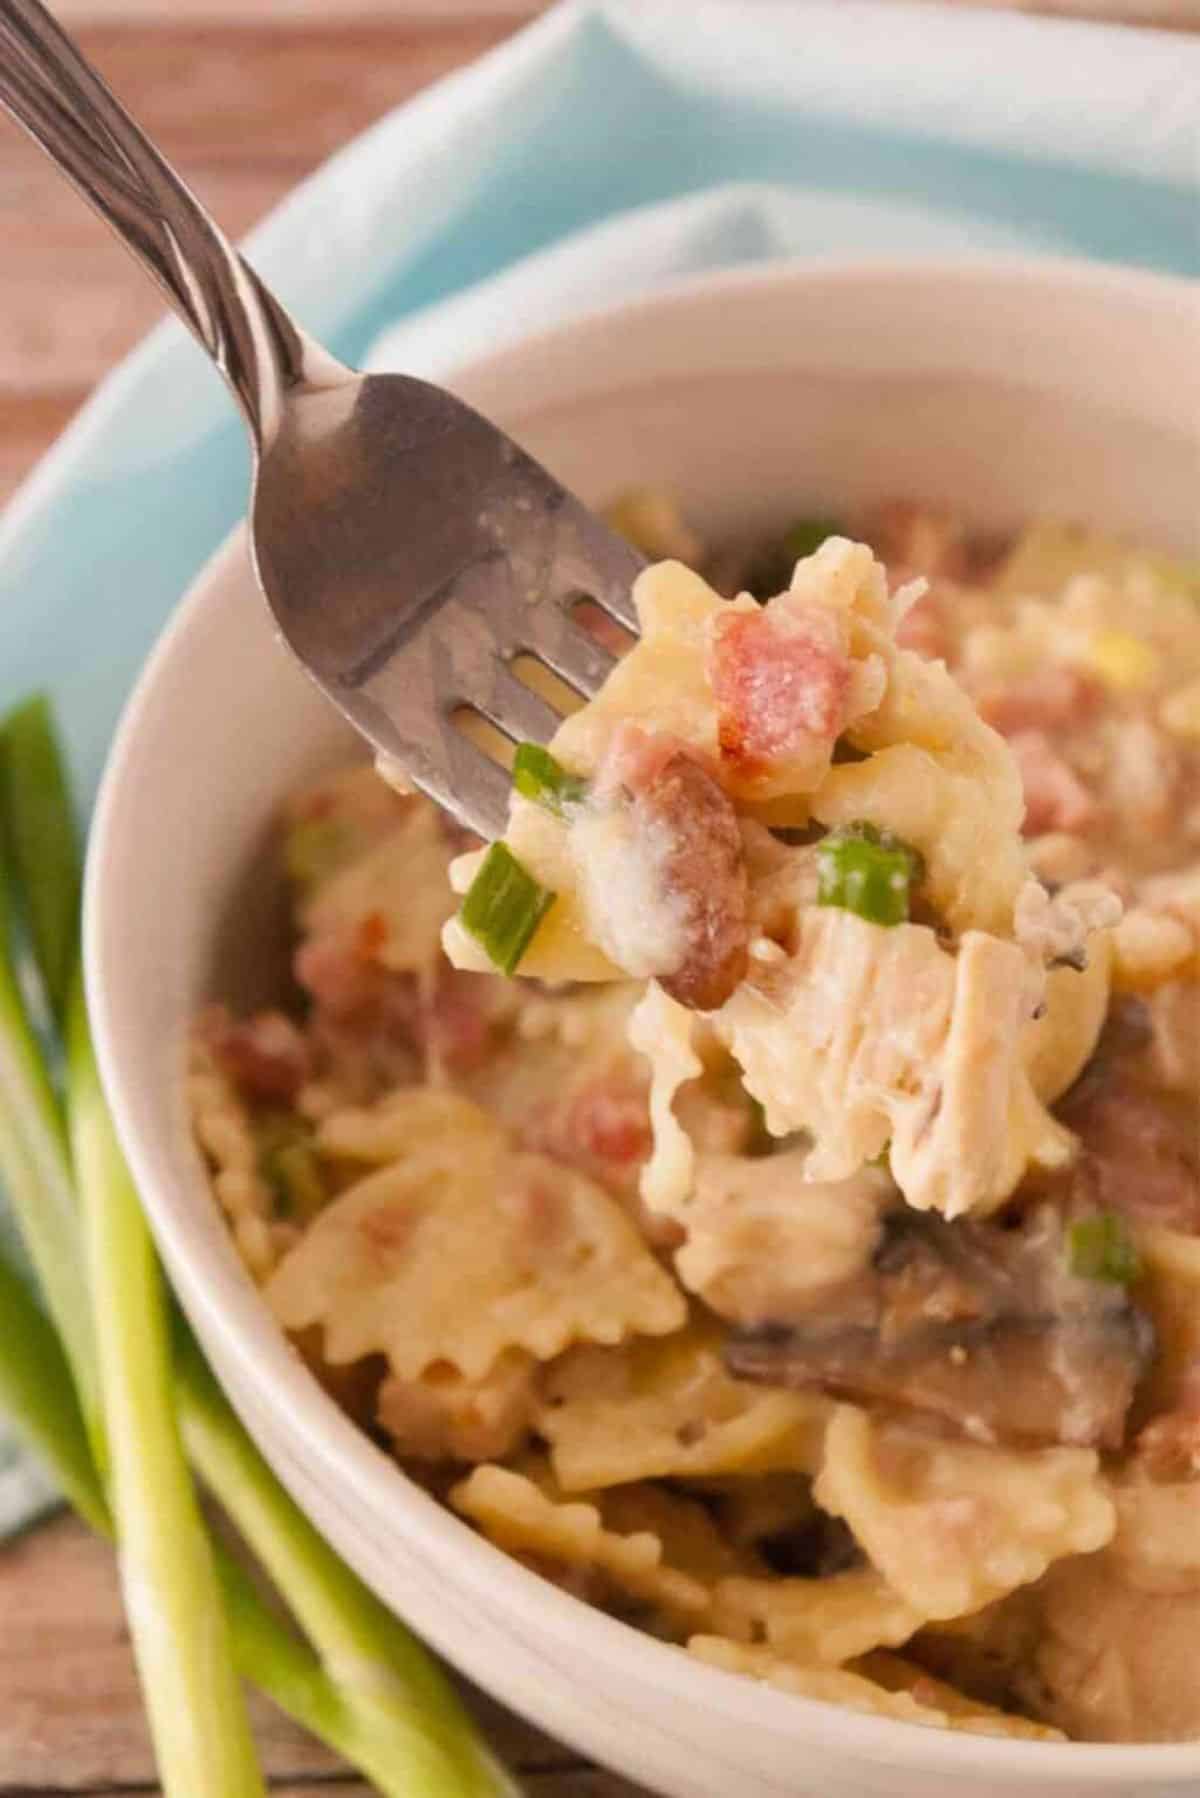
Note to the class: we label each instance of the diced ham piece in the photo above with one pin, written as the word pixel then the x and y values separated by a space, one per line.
pixel 454 1026
pixel 781 678
pixel 1054 698
pixel 609 1121
pixel 265 1056
pixel 1055 797
pixel 338 971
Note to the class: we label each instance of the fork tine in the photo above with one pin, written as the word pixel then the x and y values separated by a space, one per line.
pixel 575 657
pixel 467 783
pixel 513 707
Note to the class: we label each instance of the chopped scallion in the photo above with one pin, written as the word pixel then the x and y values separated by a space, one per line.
pixel 503 907
pixel 1101 1248
pixel 287 1161
pixel 539 776
pixel 869 872
pixel 42 843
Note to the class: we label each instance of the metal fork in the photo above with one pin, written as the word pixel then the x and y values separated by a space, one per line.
pixel 410 552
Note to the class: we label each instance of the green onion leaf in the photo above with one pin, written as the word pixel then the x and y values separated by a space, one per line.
pixel 42 842
pixel 1101 1248
pixel 361 1680
pixel 38 1394
pixel 504 907
pixel 35 1170
pixel 869 872
pixel 173 1601
pixel 537 775
pixel 362 1683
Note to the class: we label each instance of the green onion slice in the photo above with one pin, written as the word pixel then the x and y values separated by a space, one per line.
pixel 1101 1248
pixel 503 907
pixel 869 872
pixel 539 776
pixel 287 1161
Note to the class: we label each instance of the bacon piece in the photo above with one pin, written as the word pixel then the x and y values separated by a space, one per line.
pixel 609 1120
pixel 1055 797
pixel 265 1056
pixel 697 850
pixel 781 682
pixel 1050 700
pixel 603 1129
pixel 338 970
pixel 454 1026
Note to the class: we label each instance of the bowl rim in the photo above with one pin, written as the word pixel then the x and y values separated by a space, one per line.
pixel 1124 283
pixel 423 1528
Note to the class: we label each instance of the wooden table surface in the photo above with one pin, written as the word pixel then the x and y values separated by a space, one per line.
pixel 249 98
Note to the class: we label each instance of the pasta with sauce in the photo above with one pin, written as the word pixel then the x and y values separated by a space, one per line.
pixel 800 1258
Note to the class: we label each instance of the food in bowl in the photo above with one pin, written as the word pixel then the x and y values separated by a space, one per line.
pixel 801 1259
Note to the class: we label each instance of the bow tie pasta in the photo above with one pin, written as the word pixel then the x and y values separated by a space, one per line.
pixel 800 1259
pixel 875 979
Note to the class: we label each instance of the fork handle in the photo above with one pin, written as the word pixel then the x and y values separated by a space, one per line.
pixel 51 89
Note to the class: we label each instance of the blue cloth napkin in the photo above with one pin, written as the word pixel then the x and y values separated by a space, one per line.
pixel 613 145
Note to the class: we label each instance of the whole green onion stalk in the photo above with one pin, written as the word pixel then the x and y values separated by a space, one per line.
pixel 91 1375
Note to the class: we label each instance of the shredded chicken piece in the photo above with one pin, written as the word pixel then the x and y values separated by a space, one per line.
pixel 872 1039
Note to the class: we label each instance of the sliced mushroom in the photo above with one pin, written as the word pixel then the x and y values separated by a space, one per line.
pixel 982 1326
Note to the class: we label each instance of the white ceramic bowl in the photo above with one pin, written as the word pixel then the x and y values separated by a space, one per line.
pixel 1012 389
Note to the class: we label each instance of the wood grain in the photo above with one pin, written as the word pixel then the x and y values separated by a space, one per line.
pixel 71 1718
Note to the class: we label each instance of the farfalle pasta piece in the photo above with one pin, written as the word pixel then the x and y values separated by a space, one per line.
pixel 1058 1043
pixel 669 1408
pixel 818 1622
pixel 897 1674
pixel 953 1525
pixel 222 1126
pixel 461 1248
pixel 943 780
pixel 401 883
pixel 924 1701
pixel 661 1029
pixel 517 1515
pixel 692 1541
pixel 444 1416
